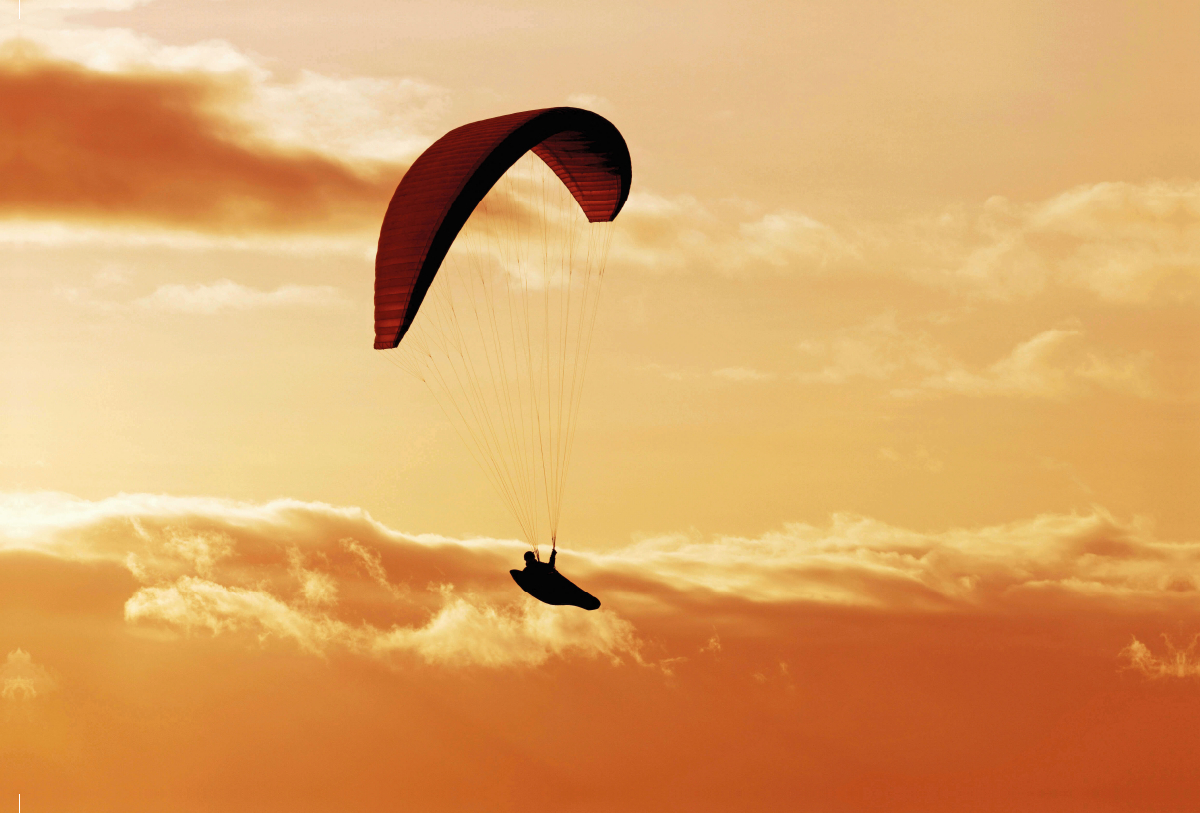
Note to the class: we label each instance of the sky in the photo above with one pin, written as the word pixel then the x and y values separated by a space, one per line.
pixel 886 467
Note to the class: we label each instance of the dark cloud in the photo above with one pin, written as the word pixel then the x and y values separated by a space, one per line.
pixel 163 149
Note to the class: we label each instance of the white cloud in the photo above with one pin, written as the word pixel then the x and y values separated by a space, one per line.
pixel 877 350
pixel 346 118
pixel 117 50
pixel 303 572
pixel 1175 661
pixel 283 571
pixel 589 101
pixel 785 239
pixel 1053 364
pixel 736 375
pixel 859 561
pixel 743 374
pixel 25 232
pixel 681 234
pixel 226 295
pixel 1122 242
pixel 1046 366
pixel 21 678
pixel 468 631
pixel 358 117
pixel 465 630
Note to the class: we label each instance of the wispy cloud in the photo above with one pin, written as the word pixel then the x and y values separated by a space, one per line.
pixel 1045 367
pixel 590 101
pixel 1121 242
pixel 21 678
pixel 464 630
pixel 1054 364
pixel 743 374
pixel 1174 662
pixel 226 295
pixel 855 560
pixel 682 234
pixel 321 578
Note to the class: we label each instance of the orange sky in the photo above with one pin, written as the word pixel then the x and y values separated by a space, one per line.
pixel 886 472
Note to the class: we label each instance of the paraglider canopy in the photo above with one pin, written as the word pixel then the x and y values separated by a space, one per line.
pixel 487 278
pixel 448 180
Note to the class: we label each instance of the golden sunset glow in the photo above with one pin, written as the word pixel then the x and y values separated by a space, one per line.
pixel 885 471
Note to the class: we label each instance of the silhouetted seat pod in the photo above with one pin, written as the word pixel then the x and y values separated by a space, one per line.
pixel 543 581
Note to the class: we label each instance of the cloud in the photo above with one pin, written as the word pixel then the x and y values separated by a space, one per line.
pixel 1123 242
pixel 1176 661
pixel 464 630
pixel 226 295
pixel 388 119
pixel 1054 364
pixel 732 238
pixel 1011 626
pixel 858 561
pixel 324 577
pixel 18 231
pixel 919 459
pixel 743 374
pixel 366 118
pixel 320 578
pixel 878 350
pixel 589 101
pixel 1043 367
pixel 735 375
pixel 21 678
pixel 180 150
pixel 200 299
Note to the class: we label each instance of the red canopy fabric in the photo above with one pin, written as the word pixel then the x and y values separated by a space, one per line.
pixel 448 180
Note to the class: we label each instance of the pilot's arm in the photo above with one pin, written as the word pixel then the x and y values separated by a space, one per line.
pixel 553 553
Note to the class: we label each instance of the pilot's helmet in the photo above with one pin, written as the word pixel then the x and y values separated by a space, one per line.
pixel 529 557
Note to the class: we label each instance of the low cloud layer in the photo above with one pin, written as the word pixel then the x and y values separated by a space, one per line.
pixel 319 578
pixel 213 627
pixel 326 579
pixel 860 561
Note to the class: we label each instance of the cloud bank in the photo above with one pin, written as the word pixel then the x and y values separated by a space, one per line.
pixel 320 578
pixel 325 579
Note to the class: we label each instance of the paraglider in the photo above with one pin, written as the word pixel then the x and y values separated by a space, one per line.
pixel 543 581
pixel 487 278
